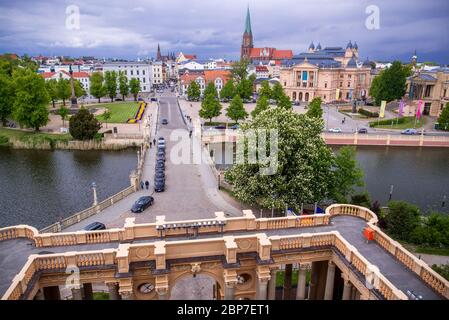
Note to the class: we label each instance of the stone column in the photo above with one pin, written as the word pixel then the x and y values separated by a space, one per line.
pixel 262 286
pixel 88 292
pixel 39 295
pixel 301 288
pixel 330 279
pixel 313 281
pixel 113 291
pixel 288 282
pixel 126 295
pixel 353 293
pixel 162 293
pixel 347 287
pixel 272 285
pixel 77 293
pixel 229 293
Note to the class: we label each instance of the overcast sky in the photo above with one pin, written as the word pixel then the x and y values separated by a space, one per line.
pixel 213 28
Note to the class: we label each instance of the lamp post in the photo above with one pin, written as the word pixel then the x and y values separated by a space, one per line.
pixel 94 189
pixel 74 102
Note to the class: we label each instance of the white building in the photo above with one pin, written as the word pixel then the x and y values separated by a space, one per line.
pixel 191 65
pixel 82 77
pixel 133 70
pixel 157 72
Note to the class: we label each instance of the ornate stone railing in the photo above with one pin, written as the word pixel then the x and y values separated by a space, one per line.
pixel 20 231
pixel 161 251
pixel 352 210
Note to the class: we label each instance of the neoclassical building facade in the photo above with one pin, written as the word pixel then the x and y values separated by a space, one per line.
pixel 332 73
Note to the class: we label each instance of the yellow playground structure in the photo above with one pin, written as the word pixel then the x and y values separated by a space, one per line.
pixel 139 114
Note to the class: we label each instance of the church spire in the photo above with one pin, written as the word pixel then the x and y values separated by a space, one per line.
pixel 159 55
pixel 248 23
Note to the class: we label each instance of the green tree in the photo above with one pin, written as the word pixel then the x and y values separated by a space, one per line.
pixel 433 231
pixel 30 107
pixel 245 87
pixel 63 112
pixel 361 199
pixel 123 85
pixel 210 108
pixel 401 219
pixel 315 109
pixel 261 105
pixel 106 116
pixel 236 111
pixel 228 90
pixel 64 91
pixel 97 89
pixel 6 97
pixel 211 90
pixel 390 84
pixel 79 89
pixel 239 70
pixel 277 92
pixel 110 82
pixel 52 89
pixel 134 87
pixel 346 175
pixel 284 102
pixel 443 120
pixel 83 125
pixel 265 90
pixel 301 163
pixel 194 91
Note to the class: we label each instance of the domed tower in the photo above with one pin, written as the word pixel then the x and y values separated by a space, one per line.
pixel 312 48
pixel 247 43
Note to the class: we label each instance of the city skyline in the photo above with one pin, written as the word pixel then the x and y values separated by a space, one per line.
pixel 212 29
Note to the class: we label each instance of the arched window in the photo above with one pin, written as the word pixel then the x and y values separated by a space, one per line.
pixel 306 97
pixel 300 96
pixel 294 96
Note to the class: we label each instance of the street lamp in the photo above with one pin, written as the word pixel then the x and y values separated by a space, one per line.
pixel 94 189
pixel 74 102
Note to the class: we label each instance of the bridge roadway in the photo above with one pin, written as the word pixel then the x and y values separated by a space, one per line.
pixel 14 253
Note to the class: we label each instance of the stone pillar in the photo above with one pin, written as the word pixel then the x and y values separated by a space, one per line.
pixel 353 293
pixel 229 293
pixel 52 293
pixel 288 282
pixel 77 293
pixel 313 281
pixel 347 287
pixel 113 291
pixel 272 285
pixel 88 292
pixel 262 286
pixel 162 293
pixel 127 295
pixel 301 288
pixel 39 295
pixel 330 279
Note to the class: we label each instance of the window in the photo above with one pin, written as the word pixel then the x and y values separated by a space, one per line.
pixel 341 76
pixel 349 84
pixel 143 80
pixel 347 95
pixel 325 85
pixel 349 76
pixel 341 84
pixel 143 72
pixel 324 97
pixel 144 88
pixel 427 93
pixel 137 72
pixel 445 92
pixel 132 72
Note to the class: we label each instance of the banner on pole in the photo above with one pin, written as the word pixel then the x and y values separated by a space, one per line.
pixel 383 105
pixel 419 111
pixel 401 108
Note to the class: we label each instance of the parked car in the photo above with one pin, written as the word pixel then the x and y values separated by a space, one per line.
pixel 161 139
pixel 140 99
pixel 220 127
pixel 95 226
pixel 154 99
pixel 363 130
pixel 164 121
pixel 161 145
pixel 142 204
pixel 159 175
pixel 160 156
pixel 234 127
pixel 409 132
pixel 160 165
pixel 335 130
pixel 159 185
pixel 296 103
pixel 118 99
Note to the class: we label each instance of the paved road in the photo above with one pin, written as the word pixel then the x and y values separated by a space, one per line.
pixel 14 253
pixel 191 189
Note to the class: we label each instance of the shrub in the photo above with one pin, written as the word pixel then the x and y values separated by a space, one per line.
pixel 388 122
pixel 368 113
pixel 83 125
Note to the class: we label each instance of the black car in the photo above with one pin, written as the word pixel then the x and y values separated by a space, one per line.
pixel 160 165
pixel 142 204
pixel 154 99
pixel 95 226
pixel 363 130
pixel 161 139
pixel 160 156
pixel 161 150
pixel 220 127
pixel 159 175
pixel 159 185
pixel 164 121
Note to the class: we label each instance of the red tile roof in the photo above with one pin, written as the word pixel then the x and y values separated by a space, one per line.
pixel 261 69
pixel 207 75
pixel 283 54
pixel 271 53
pixel 76 75
pixel 190 56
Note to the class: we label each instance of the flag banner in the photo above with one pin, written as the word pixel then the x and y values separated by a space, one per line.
pixel 383 105
pixel 418 112
pixel 350 94
pixel 401 108
pixel 337 94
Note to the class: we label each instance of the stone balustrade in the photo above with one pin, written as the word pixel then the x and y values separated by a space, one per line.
pixel 247 222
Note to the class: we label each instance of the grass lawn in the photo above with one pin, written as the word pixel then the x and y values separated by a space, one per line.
pixel 26 136
pixel 101 296
pixel 120 112
pixel 280 278
pixel 404 123
pixel 434 251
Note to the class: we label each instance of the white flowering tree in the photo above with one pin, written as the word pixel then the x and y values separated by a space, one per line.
pixel 304 163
